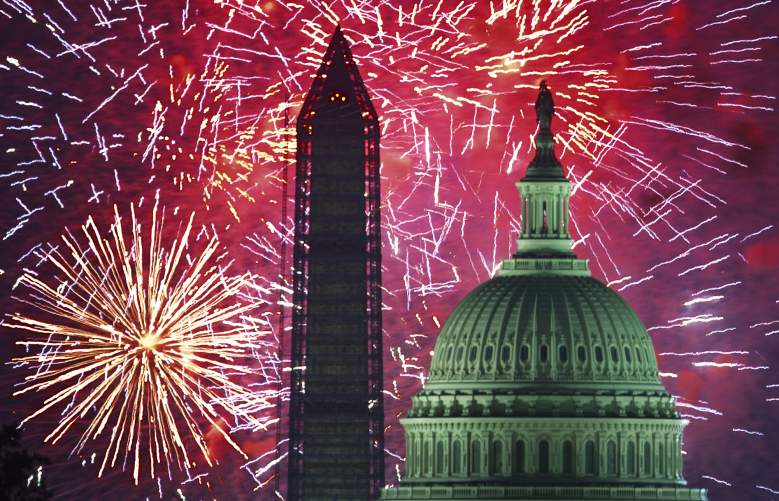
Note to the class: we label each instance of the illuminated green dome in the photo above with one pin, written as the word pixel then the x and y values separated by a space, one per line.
pixel 544 331
pixel 543 383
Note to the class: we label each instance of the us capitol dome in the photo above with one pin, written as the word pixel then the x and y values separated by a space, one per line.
pixel 543 384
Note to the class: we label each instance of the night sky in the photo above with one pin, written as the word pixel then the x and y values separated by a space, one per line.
pixel 666 126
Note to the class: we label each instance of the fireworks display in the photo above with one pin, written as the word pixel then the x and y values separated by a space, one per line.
pixel 147 341
pixel 665 125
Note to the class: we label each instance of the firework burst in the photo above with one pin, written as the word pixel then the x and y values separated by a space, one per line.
pixel 142 346
pixel 664 116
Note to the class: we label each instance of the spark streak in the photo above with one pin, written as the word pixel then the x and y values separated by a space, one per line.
pixel 148 347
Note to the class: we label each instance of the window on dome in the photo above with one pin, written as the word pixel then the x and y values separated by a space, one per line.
pixel 638 355
pixel 456 457
pixel 563 353
pixel 497 457
pixel 543 457
pixel 582 353
pixel 589 458
pixel 476 456
pixel 505 354
pixel 439 458
pixel 524 353
pixel 543 354
pixel 599 354
pixel 519 456
pixel 627 354
pixel 568 457
pixel 460 352
pixel 488 354
pixel 473 353
pixel 611 458
pixel 631 458
pixel 614 354
pixel 449 353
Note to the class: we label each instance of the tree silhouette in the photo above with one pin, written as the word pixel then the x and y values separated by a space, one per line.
pixel 21 473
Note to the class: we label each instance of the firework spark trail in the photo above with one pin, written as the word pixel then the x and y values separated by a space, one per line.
pixel 209 122
pixel 148 340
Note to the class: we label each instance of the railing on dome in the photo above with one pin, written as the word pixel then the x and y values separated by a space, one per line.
pixel 301 273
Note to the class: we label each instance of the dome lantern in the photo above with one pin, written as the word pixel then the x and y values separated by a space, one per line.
pixel 545 237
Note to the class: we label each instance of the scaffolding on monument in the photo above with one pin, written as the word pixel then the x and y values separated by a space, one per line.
pixel 338 53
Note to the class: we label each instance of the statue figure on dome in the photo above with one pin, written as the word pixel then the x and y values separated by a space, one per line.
pixel 544 107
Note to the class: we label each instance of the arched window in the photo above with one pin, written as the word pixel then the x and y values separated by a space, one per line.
pixel 563 353
pixel 497 457
pixel 519 456
pixel 543 456
pixel 599 354
pixel 505 354
pixel 590 460
pixel 627 354
pixel 611 458
pixel 614 354
pixel 476 456
pixel 631 458
pixel 647 459
pixel 638 354
pixel 457 458
pixel 488 354
pixel 543 354
pixel 582 353
pixel 524 353
pixel 568 463
pixel 439 458
pixel 472 354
